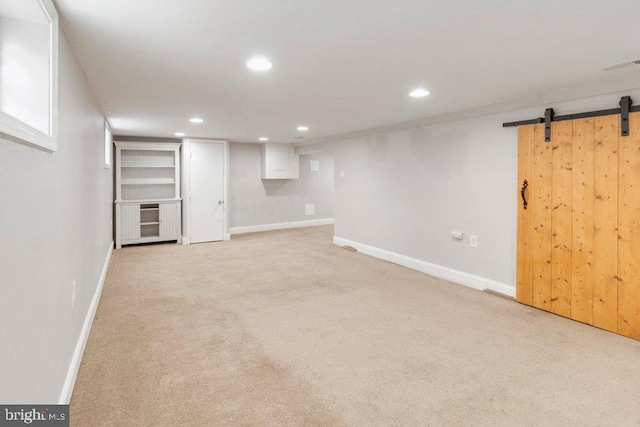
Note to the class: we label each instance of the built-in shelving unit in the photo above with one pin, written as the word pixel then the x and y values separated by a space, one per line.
pixel 148 203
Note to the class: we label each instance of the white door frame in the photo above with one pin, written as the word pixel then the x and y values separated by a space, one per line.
pixel 186 186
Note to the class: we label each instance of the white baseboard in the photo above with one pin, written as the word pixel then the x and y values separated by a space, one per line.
pixel 456 276
pixel 74 366
pixel 280 226
pixel 185 240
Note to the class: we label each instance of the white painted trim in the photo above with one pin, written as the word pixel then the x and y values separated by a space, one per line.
pixel 74 366
pixel 280 226
pixel 16 130
pixel 456 276
pixel 153 146
pixel 227 235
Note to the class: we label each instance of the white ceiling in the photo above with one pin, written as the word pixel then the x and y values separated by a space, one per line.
pixel 23 10
pixel 339 66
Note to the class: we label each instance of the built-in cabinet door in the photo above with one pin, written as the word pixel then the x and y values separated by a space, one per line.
pixel 169 219
pixel 579 221
pixel 129 221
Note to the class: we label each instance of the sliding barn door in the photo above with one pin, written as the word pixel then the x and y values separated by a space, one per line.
pixel 579 221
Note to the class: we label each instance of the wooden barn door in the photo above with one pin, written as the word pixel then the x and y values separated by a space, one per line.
pixel 579 233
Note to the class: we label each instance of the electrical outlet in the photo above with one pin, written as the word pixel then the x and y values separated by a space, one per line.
pixel 342 174
pixel 473 241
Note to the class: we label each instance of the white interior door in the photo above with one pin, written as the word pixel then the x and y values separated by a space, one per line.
pixel 207 202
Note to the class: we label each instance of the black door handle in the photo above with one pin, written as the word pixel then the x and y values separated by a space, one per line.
pixel 525 184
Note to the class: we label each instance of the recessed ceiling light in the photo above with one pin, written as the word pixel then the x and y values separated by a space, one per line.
pixel 303 128
pixel 196 120
pixel 179 134
pixel 259 64
pixel 418 93
pixel 263 139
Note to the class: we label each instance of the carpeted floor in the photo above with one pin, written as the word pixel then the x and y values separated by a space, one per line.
pixel 284 328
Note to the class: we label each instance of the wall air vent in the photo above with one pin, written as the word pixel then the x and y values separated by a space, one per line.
pixel 623 66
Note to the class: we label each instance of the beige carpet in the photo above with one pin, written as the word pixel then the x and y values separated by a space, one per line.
pixel 284 328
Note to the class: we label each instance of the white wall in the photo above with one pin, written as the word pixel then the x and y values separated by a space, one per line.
pixel 405 191
pixel 55 227
pixel 255 201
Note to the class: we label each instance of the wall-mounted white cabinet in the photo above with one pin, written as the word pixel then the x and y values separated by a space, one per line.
pixel 148 203
pixel 280 161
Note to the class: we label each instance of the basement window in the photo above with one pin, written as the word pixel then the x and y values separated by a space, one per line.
pixel 108 145
pixel 29 73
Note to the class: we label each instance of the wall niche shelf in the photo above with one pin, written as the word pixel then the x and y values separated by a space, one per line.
pixel 156 167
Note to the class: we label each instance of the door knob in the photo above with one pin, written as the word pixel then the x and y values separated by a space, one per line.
pixel 220 202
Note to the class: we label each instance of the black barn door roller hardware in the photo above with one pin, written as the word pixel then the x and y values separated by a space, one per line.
pixel 548 116
pixel 626 107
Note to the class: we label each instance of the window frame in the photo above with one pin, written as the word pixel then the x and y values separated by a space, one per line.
pixel 21 132
pixel 108 146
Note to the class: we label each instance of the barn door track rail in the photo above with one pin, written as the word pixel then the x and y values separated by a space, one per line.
pixel 626 107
